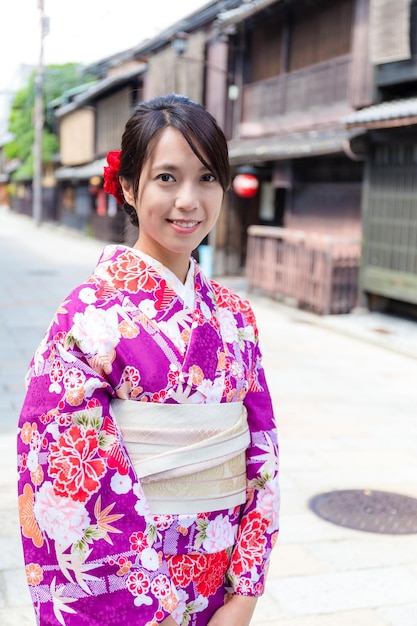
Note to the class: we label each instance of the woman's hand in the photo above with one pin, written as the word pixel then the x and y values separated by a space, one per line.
pixel 237 612
pixel 168 621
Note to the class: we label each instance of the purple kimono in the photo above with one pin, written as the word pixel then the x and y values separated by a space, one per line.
pixel 94 553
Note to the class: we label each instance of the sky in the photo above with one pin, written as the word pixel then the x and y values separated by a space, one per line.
pixel 81 31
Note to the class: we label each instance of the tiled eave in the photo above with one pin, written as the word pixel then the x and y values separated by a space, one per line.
pixel 392 114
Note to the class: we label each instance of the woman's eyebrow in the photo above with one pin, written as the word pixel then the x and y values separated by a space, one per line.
pixel 174 168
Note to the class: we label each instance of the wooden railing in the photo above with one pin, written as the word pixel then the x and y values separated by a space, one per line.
pixel 314 86
pixel 318 272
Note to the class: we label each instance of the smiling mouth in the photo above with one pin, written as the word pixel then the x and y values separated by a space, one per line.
pixel 184 224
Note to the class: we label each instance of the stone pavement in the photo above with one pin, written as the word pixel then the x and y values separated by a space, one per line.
pixel 345 394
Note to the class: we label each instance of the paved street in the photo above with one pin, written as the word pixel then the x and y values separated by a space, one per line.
pixel 345 394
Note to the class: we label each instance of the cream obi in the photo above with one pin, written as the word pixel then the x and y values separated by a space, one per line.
pixel 190 458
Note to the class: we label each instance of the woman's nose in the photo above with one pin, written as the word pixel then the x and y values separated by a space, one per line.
pixel 187 197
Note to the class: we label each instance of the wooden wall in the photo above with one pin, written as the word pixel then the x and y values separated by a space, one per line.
pixel 112 115
pixel 76 135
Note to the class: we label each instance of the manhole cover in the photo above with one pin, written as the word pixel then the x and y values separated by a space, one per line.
pixel 370 511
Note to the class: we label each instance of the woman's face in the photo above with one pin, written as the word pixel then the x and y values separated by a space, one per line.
pixel 178 202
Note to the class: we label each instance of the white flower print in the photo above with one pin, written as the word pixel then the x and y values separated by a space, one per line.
pixel 269 458
pixel 96 330
pixel 172 330
pixel 148 308
pixel 178 613
pixel 149 559
pixel 228 325
pixel 87 295
pixel 121 484
pixel 186 520
pixel 32 460
pixel 219 535
pixel 204 308
pixel 141 506
pixel 246 333
pixel 236 370
pixel 212 390
pixel 63 519
pixel 268 503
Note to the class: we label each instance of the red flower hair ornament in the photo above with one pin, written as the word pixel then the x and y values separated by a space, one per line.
pixel 111 177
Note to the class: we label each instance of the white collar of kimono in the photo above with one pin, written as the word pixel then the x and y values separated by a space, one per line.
pixel 184 290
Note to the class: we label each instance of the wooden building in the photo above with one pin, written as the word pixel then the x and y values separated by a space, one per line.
pixel 300 67
pixel 388 274
pixel 288 80
pixel 90 125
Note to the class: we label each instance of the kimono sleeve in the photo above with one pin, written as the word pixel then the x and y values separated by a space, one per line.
pixel 258 528
pixel 82 512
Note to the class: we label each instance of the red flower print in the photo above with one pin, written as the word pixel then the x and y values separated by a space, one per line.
pixel 163 521
pixel 161 586
pixel 207 571
pixel 23 462
pixel 259 589
pixel 212 576
pixel 131 375
pixel 103 289
pixel 245 587
pixel 64 419
pixel 250 544
pixel 74 378
pixel 74 463
pixel 214 322
pixel 198 317
pixel 113 454
pixel 253 384
pixel 93 403
pixel 173 377
pixel 131 274
pixel 228 299
pixel 60 338
pixel 159 396
pixel 182 567
pixel 163 296
pixel 46 418
pixel 124 566
pixel 138 583
pixel 138 541
pixel 57 371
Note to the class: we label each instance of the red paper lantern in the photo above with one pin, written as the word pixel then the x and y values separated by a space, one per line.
pixel 245 185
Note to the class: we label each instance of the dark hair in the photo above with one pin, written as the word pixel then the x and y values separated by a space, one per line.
pixel 198 127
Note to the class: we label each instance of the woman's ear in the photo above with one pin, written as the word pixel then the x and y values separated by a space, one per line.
pixel 127 190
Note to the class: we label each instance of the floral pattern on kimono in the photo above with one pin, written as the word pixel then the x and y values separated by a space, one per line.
pixel 94 552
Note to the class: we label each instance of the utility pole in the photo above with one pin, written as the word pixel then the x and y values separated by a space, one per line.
pixel 38 124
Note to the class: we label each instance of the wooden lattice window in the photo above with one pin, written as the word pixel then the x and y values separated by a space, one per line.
pixel 320 32
pixel 391 209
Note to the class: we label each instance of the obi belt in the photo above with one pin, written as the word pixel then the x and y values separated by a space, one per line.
pixel 190 458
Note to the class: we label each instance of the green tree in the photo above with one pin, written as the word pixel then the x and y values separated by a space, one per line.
pixel 57 81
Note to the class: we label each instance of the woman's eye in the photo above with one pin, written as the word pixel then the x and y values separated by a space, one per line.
pixel 165 178
pixel 208 178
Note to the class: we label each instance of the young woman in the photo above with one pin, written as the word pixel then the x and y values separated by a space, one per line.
pixel 147 445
